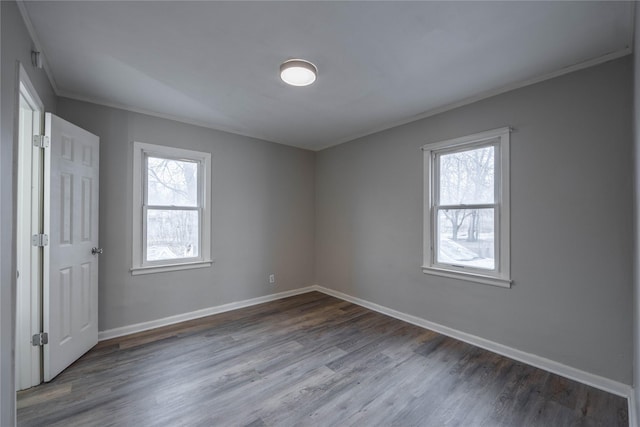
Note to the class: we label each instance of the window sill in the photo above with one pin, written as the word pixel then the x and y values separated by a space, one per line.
pixel 170 267
pixel 469 277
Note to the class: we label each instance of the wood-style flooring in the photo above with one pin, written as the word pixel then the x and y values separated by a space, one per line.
pixel 308 360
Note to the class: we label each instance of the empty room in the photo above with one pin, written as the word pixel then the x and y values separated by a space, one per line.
pixel 319 213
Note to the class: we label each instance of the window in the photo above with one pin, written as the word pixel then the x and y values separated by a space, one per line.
pixel 171 209
pixel 466 212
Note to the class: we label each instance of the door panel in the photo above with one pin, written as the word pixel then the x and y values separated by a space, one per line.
pixel 70 305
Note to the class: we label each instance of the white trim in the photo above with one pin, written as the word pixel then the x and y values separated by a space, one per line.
pixel 484 95
pixel 479 137
pixel 608 385
pixel 170 267
pixel 429 113
pixel 138 264
pixel 432 112
pixel 605 384
pixel 28 218
pixel 633 410
pixel 552 366
pixel 23 78
pixel 194 122
pixel 171 320
pixel 470 277
pixel 501 275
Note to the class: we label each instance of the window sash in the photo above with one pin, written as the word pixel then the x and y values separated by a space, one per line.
pixel 471 206
pixel 435 238
pixel 435 168
pixel 145 178
pixel 145 242
pixel 173 208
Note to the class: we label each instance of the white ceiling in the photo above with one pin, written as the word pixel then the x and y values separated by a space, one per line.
pixel 380 63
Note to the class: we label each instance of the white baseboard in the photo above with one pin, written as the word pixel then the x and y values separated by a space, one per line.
pixel 593 380
pixel 633 409
pixel 145 326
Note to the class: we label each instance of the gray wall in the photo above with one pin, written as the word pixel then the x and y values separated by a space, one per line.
pixel 571 210
pixel 15 47
pixel 263 217
pixel 636 252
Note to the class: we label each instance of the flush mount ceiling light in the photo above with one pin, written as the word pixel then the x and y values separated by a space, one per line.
pixel 298 72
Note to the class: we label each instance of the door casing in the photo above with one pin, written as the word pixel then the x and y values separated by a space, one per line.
pixel 29 219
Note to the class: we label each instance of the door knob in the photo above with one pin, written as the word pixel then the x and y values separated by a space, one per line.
pixel 96 251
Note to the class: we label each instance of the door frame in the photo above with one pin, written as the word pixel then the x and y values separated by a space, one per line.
pixel 29 217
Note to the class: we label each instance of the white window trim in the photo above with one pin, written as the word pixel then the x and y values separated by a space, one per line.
pixel 502 275
pixel 140 149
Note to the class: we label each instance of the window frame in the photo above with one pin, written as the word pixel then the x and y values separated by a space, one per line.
pixel 501 275
pixel 141 152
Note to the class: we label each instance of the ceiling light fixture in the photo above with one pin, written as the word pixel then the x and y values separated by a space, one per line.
pixel 298 72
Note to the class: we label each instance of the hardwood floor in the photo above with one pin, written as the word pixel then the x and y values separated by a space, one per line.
pixel 308 360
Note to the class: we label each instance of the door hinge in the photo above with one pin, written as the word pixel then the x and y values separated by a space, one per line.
pixel 39 240
pixel 40 339
pixel 41 141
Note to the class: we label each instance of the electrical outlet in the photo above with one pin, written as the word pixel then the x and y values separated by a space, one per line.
pixel 272 278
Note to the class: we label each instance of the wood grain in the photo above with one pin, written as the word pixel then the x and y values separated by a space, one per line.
pixel 308 360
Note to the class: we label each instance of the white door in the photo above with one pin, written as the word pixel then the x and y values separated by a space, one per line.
pixel 70 297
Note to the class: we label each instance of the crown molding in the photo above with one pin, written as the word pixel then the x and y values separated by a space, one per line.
pixel 487 94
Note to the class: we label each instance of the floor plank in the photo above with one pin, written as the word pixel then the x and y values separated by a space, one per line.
pixel 307 360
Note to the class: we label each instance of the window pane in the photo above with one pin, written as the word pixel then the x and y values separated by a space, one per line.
pixel 467 177
pixel 172 182
pixel 172 234
pixel 466 237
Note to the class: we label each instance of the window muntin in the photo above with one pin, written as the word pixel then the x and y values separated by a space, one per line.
pixel 466 176
pixel 171 208
pixel 467 208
